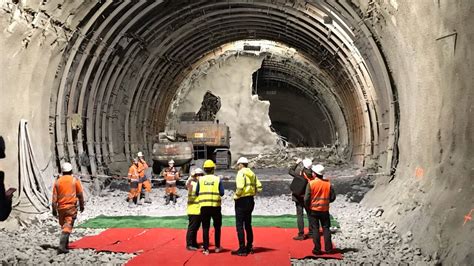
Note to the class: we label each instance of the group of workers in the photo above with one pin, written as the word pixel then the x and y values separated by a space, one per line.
pixel 138 181
pixel 205 190
pixel 311 192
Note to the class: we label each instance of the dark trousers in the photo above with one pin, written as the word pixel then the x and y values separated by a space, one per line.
pixel 243 219
pixel 206 214
pixel 300 217
pixel 323 219
pixel 193 227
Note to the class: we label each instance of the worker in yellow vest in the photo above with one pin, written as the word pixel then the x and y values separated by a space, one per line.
pixel 193 210
pixel 247 186
pixel 210 190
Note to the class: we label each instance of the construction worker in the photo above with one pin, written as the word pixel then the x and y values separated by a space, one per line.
pixel 193 210
pixel 209 191
pixel 247 186
pixel 144 182
pixel 171 175
pixel 134 179
pixel 67 192
pixel 5 195
pixel 298 188
pixel 319 193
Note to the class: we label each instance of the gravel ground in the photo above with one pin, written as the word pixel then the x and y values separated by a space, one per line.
pixel 364 236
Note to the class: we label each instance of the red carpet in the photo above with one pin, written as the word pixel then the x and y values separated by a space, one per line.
pixel 107 237
pixel 164 246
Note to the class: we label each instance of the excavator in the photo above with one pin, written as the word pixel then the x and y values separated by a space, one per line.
pixel 197 137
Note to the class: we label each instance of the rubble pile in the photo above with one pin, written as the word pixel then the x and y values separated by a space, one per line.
pixel 286 157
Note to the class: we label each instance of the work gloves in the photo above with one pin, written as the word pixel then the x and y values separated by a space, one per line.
pixel 81 208
pixel 55 212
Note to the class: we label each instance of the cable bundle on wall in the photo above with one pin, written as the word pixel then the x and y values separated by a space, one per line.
pixel 30 179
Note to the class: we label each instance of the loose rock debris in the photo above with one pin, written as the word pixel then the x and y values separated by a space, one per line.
pixel 364 236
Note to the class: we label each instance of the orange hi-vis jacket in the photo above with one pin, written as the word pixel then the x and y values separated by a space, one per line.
pixel 133 173
pixel 171 175
pixel 142 166
pixel 320 194
pixel 66 191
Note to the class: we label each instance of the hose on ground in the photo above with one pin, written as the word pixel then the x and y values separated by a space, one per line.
pixel 30 178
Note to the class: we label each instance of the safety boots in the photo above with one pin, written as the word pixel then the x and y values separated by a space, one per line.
pixel 63 243
pixel 167 199
pixel 131 204
pixel 147 197
pixel 174 198
pixel 139 199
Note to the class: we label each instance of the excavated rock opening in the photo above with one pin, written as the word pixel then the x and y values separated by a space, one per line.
pixel 246 116
pixel 290 99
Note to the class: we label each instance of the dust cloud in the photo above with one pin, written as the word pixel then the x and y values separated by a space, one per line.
pixel 246 116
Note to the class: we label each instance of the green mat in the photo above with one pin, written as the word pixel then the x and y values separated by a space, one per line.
pixel 283 221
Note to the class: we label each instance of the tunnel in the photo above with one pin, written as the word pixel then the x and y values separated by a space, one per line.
pixel 387 83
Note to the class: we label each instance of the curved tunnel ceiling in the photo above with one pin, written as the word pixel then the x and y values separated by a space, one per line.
pixel 121 71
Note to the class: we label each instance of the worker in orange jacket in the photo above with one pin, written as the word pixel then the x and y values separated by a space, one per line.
pixel 134 178
pixel 171 175
pixel 67 192
pixel 144 180
pixel 319 193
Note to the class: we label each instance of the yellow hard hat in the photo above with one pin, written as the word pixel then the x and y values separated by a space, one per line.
pixel 209 164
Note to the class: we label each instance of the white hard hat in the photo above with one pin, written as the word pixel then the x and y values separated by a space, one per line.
pixel 242 160
pixel 140 154
pixel 66 167
pixel 198 171
pixel 171 161
pixel 318 169
pixel 307 163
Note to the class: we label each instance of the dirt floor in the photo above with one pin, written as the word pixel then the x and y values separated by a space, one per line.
pixel 365 236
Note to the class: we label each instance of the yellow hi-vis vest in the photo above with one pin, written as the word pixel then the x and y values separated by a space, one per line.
pixel 209 191
pixel 247 184
pixel 193 203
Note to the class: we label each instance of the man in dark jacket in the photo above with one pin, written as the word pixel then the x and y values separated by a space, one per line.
pixel 5 196
pixel 298 187
pixel 5 199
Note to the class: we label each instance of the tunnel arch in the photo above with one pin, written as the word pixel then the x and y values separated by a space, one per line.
pixel 122 69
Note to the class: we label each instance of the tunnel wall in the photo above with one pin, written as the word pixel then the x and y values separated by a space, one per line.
pixel 428 48
pixel 32 40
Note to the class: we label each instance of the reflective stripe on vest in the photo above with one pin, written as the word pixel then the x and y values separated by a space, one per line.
pixel 193 202
pixel 320 190
pixel 250 186
pixel 209 191
pixel 65 200
pixel 133 173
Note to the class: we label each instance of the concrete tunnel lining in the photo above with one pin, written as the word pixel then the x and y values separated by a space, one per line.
pixel 44 45
pixel 132 142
